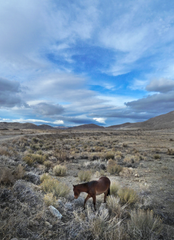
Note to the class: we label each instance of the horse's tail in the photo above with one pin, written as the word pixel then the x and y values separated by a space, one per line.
pixel 108 191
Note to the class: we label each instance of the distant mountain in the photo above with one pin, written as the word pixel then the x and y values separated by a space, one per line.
pixel 16 125
pixel 164 121
pixel 87 126
pixel 121 125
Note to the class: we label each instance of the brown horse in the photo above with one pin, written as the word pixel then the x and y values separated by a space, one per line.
pixel 93 188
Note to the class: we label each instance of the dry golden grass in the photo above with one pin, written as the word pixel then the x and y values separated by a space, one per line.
pixel 127 196
pixel 84 175
pixel 114 188
pixel 110 155
pixel 59 170
pixel 113 167
pixel 49 199
pixel 51 185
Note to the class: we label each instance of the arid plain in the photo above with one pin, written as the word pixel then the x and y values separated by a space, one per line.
pixel 139 163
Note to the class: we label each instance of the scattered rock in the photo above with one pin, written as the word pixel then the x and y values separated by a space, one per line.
pixel 31 177
pixel 68 206
pixel 102 166
pixel 55 212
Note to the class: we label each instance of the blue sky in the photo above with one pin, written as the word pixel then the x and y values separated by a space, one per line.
pixel 78 62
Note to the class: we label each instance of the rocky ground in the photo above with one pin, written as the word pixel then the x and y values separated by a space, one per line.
pixel 147 161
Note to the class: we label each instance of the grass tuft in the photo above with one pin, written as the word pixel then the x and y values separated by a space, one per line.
pixel 84 176
pixel 143 225
pixel 127 196
pixel 59 170
pixel 51 185
pixel 113 167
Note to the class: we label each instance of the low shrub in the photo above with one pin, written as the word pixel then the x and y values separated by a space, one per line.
pixel 51 185
pixel 6 176
pixel 143 225
pixel 47 164
pixel 114 206
pixel 4 151
pixel 44 177
pixel 110 155
pixel 156 156
pixel 114 189
pixel 113 167
pixel 28 159
pixel 127 196
pixel 19 172
pixel 59 170
pixel 84 175
pixel 170 152
pixel 49 199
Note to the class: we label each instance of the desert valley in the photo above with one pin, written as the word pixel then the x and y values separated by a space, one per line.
pixel 39 166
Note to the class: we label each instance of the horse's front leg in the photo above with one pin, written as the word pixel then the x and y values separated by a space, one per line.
pixel 88 196
pixel 94 201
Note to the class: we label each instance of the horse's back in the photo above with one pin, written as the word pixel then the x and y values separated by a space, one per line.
pixel 104 180
pixel 102 185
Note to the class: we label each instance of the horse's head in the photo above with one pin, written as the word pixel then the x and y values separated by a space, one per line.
pixel 76 192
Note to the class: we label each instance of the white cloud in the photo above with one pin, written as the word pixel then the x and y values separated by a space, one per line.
pixel 58 122
pixel 100 120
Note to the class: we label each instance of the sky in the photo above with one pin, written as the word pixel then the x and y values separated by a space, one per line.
pixel 73 62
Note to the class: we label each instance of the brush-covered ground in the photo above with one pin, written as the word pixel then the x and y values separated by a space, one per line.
pixel 38 170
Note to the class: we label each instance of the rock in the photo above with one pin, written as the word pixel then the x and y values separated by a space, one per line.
pixel 102 166
pixel 32 177
pixel 60 203
pixel 55 212
pixel 68 206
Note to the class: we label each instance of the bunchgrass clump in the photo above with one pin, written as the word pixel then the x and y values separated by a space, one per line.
pixel 143 225
pixel 114 189
pixel 49 199
pixel 47 164
pixel 84 175
pixel 113 167
pixel 59 170
pixel 110 155
pixel 28 159
pixel 127 196
pixel 6 176
pixel 156 156
pixel 51 185
pixel 44 177
pixel 114 206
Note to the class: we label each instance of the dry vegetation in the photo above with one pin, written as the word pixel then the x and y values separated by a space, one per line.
pixel 38 170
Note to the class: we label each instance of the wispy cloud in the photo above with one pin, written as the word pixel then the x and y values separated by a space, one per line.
pixel 78 62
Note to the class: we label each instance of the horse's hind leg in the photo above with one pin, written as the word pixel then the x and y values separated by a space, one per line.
pixel 88 196
pixel 107 193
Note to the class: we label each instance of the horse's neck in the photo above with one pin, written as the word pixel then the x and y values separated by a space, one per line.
pixel 83 187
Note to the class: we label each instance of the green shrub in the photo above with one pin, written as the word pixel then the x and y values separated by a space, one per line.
pixel 84 175
pixel 59 170
pixel 127 196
